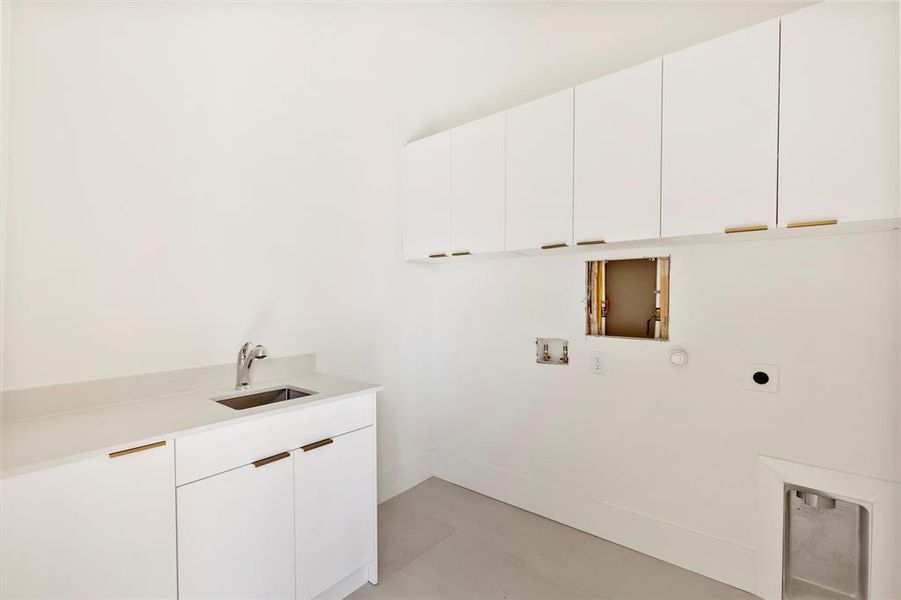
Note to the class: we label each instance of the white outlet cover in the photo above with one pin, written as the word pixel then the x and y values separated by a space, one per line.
pixel 597 362
pixel 772 372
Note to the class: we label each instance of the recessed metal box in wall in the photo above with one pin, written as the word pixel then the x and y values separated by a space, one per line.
pixel 551 351
pixel 826 547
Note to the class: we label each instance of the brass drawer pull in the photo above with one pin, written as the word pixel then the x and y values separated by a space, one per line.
pixel 746 228
pixel 137 449
pixel 318 444
pixel 812 223
pixel 442 255
pixel 270 459
pixel 552 246
pixel 462 253
pixel 590 243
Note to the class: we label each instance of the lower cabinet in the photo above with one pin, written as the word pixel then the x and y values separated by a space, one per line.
pixel 102 527
pixel 334 487
pixel 251 522
pixel 292 525
pixel 236 533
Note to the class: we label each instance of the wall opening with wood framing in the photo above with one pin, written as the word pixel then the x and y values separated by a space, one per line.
pixel 628 298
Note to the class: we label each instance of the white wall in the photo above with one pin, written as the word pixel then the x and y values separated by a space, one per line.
pixel 653 445
pixel 187 176
pixel 5 39
pixel 898 311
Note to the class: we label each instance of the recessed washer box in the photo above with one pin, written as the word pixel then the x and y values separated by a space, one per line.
pixel 762 378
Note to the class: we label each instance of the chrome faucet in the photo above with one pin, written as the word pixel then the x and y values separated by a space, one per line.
pixel 246 356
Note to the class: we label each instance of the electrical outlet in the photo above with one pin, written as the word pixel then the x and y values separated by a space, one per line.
pixel 597 363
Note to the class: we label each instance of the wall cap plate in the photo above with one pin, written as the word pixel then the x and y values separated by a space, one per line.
pixel 768 382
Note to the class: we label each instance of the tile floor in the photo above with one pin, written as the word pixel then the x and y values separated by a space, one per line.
pixel 441 541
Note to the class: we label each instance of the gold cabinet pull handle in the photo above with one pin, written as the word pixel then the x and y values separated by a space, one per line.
pixel 137 449
pixel 590 243
pixel 552 246
pixel 461 253
pixel 270 459
pixel 441 255
pixel 746 228
pixel 812 223
pixel 318 444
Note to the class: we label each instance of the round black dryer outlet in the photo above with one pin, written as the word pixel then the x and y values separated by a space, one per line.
pixel 760 377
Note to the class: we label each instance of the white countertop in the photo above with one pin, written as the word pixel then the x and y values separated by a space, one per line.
pixel 45 441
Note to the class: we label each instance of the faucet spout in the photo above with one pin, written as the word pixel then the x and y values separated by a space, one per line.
pixel 246 356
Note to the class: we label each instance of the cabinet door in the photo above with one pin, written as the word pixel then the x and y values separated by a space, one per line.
pixel 720 105
pixel 335 490
pixel 97 528
pixel 838 134
pixel 617 156
pixel 426 193
pixel 236 533
pixel 540 172
pixel 478 188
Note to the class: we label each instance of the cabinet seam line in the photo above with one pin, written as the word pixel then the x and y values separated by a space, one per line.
pixel 660 186
pixel 778 115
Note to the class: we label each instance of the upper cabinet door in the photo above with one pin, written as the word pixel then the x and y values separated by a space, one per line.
pixel 720 105
pixel 539 172
pixel 617 156
pixel 102 527
pixel 478 188
pixel 838 135
pixel 426 189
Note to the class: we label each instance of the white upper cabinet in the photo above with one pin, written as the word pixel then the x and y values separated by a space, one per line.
pixel 788 122
pixel 539 172
pixel 102 527
pixel 617 156
pixel 838 137
pixel 478 186
pixel 426 191
pixel 720 115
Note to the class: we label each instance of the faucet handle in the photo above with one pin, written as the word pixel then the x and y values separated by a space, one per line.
pixel 258 351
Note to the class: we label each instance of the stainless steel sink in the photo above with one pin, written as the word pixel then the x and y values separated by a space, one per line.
pixel 250 400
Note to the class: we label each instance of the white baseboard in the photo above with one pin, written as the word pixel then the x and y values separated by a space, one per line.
pixel 400 478
pixel 346 586
pixel 713 557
